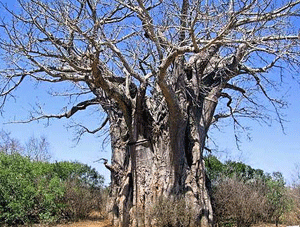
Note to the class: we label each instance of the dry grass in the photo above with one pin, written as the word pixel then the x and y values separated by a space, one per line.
pixel 268 225
pixel 88 223
pixel 106 223
pixel 95 219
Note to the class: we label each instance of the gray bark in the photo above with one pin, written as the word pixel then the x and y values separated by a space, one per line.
pixel 161 155
pixel 148 168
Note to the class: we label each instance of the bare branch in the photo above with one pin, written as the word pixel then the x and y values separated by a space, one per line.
pixel 172 51
pixel 80 106
pixel 4 93
pixel 236 88
pixel 83 129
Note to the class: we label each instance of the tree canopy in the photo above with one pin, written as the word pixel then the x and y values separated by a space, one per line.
pixel 128 46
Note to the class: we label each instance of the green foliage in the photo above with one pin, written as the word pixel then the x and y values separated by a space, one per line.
pixel 233 182
pixel 32 191
pixel 243 171
pixel 71 170
pixel 217 170
pixel 17 188
pixel 277 197
pixel 214 168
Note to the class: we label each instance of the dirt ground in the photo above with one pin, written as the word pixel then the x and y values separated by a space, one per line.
pixel 273 225
pixel 88 223
pixel 95 220
pixel 106 223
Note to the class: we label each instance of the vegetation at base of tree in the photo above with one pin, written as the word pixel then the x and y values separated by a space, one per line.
pixel 43 192
pixel 243 196
pixel 169 212
pixel 34 191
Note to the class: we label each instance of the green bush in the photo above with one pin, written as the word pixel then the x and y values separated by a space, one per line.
pixel 17 188
pixel 242 195
pixel 278 201
pixel 32 191
pixel 216 170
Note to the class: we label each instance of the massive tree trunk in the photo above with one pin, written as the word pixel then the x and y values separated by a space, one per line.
pixel 159 157
pixel 157 146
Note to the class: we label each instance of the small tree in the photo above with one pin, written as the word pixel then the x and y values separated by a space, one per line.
pixel 37 149
pixel 217 170
pixel 9 145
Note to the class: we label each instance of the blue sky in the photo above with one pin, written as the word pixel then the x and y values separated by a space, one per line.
pixel 270 149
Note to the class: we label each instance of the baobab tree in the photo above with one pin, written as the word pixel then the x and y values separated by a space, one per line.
pixel 163 72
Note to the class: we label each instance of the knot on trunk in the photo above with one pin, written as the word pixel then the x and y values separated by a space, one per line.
pixel 116 170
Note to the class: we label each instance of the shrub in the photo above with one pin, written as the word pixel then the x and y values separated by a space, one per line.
pixel 17 188
pixel 217 170
pixel 238 188
pixel 292 215
pixel 71 170
pixel 238 203
pixel 80 200
pixel 278 202
pixel 32 191
pixel 172 212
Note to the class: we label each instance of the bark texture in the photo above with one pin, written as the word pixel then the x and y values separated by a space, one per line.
pixel 158 148
pixel 148 168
